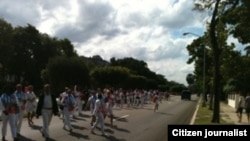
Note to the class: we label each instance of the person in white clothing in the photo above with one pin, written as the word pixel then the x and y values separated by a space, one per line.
pixel 128 98
pixel 110 103
pixel 78 97
pixel 156 101
pixel 31 104
pixel 142 97
pixel 9 109
pixel 100 112
pixel 62 96
pixel 21 102
pixel 91 105
pixel 46 106
pixel 69 103
pixel 240 107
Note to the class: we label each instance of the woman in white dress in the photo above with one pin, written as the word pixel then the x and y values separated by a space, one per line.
pixel 100 112
pixel 31 104
pixel 110 103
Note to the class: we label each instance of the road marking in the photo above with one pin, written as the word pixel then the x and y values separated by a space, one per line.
pixel 120 118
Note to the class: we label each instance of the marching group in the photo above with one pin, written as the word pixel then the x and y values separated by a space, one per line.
pixel 15 103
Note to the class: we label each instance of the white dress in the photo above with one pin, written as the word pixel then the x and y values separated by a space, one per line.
pixel 31 102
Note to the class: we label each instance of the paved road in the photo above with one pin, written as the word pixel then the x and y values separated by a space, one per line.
pixel 135 124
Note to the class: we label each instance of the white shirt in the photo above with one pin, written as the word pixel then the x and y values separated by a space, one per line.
pixel 47 101
pixel 97 106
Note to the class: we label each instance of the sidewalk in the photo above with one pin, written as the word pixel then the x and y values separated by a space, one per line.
pixel 228 114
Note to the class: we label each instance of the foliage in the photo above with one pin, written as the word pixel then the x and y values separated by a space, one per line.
pixel 110 76
pixel 30 57
pixel 64 71
pixel 227 18
pixel 190 79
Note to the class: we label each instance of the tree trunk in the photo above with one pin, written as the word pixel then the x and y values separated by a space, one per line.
pixel 216 61
pixel 211 102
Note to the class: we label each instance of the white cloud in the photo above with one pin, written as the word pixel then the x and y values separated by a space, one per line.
pixel 143 29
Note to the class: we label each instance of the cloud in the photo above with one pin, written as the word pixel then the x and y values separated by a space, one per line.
pixel 19 12
pixel 143 29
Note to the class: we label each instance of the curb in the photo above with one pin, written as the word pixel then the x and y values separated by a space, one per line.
pixel 195 113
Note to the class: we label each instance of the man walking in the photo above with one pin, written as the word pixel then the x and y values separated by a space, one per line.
pixel 21 102
pixel 47 106
pixel 9 109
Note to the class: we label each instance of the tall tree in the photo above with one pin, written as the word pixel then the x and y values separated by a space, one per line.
pixel 64 71
pixel 213 34
pixel 6 48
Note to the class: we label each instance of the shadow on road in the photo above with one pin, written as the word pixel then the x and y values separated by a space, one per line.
pixel 120 129
pixel 78 118
pixel 78 135
pixel 23 138
pixel 35 127
pixel 167 114
pixel 113 138
pixel 78 127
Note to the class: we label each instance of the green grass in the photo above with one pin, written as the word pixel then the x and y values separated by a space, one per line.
pixel 204 116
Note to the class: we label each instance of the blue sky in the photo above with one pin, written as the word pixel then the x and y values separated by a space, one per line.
pixel 146 30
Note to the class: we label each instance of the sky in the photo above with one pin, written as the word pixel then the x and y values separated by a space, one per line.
pixel 146 30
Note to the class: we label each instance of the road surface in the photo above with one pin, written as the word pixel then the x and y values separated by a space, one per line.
pixel 131 124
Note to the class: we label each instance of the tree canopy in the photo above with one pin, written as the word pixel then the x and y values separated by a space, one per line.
pixel 30 57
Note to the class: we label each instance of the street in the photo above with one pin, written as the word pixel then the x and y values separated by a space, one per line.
pixel 130 124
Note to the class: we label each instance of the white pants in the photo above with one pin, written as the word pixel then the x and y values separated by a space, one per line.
pixel 142 102
pixel 11 118
pixel 66 117
pixel 110 110
pixel 79 104
pixel 99 121
pixel 19 120
pixel 47 116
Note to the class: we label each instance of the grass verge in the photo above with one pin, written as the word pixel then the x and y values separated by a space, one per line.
pixel 204 116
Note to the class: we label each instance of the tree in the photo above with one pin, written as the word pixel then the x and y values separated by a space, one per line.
pixel 190 79
pixel 110 76
pixel 64 71
pixel 6 49
pixel 213 34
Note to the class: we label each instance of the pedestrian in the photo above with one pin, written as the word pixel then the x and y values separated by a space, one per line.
pixel 142 94
pixel 61 96
pixel 69 103
pixel 240 107
pixel 91 105
pixel 46 106
pixel 110 104
pixel 247 107
pixel 128 98
pixel 9 109
pixel 137 98
pixel 21 102
pixel 156 101
pixel 31 105
pixel 78 97
pixel 100 112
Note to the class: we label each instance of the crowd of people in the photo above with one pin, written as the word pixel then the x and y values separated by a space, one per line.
pixel 15 103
